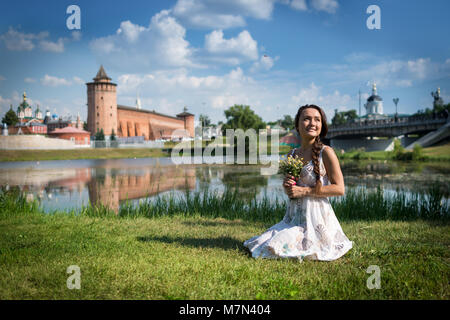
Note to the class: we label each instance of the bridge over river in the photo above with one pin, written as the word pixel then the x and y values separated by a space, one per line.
pixel 379 134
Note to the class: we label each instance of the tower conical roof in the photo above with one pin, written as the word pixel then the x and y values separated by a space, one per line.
pixel 101 74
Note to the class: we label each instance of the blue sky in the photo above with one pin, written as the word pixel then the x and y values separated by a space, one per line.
pixel 273 55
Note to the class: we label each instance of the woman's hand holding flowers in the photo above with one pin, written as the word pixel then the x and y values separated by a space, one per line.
pixel 294 191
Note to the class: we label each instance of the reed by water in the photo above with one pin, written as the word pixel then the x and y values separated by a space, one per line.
pixel 357 204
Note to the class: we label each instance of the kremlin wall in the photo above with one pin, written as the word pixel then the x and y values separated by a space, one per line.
pixel 103 114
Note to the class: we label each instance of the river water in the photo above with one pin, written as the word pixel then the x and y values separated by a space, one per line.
pixel 71 184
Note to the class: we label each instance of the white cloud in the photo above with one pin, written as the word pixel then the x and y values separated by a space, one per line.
pixel 29 80
pixel 104 46
pixel 329 6
pixel 386 73
pixel 76 35
pixel 19 41
pixel 178 80
pixel 403 83
pixel 419 67
pixel 227 99
pixel 365 96
pixel 224 14
pixel 241 48
pixel 5 104
pixel 130 31
pixel 358 57
pixel 299 5
pixel 162 44
pixel 78 80
pixel 136 48
pixel 52 81
pixel 221 14
pixel 265 63
pixel 168 91
pixel 14 100
pixel 50 46
pixel 180 88
pixel 403 73
pixel 328 102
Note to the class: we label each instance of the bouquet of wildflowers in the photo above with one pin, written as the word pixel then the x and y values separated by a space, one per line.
pixel 291 165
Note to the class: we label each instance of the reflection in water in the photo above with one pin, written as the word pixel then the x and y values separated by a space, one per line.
pixel 62 185
pixel 250 182
pixel 411 176
pixel 110 188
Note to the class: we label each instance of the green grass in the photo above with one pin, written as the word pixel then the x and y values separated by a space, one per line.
pixel 203 258
pixel 192 255
pixel 441 152
pixel 107 153
pixel 437 153
pixel 100 153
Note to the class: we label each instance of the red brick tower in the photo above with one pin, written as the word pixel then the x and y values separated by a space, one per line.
pixel 102 104
pixel 188 121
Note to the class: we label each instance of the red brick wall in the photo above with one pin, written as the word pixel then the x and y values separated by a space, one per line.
pixel 28 130
pixel 79 137
pixel 137 123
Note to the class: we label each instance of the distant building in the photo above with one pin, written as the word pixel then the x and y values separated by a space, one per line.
pixel 270 128
pixel 209 132
pixel 374 109
pixel 76 135
pixel 60 123
pixel 438 102
pixel 104 113
pixel 25 113
pixel 48 116
pixel 31 127
pixel 374 105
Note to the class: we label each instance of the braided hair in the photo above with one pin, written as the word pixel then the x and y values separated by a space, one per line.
pixel 318 144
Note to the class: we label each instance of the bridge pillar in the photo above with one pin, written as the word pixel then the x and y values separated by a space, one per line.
pixel 406 140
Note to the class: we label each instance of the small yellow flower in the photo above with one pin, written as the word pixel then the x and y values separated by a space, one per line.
pixel 292 165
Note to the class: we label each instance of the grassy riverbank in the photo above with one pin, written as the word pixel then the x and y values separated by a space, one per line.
pixel 437 153
pixel 74 154
pixel 100 153
pixel 192 255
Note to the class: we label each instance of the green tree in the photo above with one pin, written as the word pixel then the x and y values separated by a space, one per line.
pixel 85 127
pixel 343 117
pixel 204 120
pixel 417 153
pixel 10 118
pixel 100 136
pixel 443 107
pixel 287 122
pixel 113 135
pixel 399 152
pixel 351 115
pixel 436 109
pixel 242 117
pixel 338 119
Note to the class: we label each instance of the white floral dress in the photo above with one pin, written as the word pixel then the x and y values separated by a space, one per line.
pixel 309 229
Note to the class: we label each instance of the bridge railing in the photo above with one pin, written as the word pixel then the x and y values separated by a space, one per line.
pixel 390 123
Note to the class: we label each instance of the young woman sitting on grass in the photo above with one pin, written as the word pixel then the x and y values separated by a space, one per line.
pixel 309 229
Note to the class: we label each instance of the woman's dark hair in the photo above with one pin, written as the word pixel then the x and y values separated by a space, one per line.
pixel 317 146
